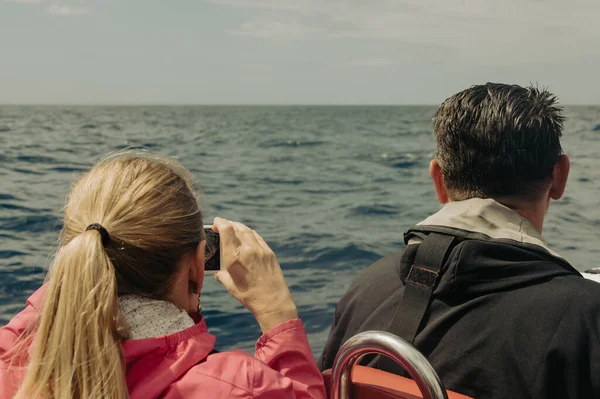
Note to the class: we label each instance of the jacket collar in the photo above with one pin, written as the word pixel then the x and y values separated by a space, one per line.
pixel 490 219
pixel 160 325
pixel 147 318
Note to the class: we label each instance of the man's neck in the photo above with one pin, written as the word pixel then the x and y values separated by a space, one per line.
pixel 533 212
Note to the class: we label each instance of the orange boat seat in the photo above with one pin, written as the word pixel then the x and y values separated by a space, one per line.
pixel 370 383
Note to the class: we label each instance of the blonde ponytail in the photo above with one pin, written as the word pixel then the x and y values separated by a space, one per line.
pixel 77 352
pixel 149 208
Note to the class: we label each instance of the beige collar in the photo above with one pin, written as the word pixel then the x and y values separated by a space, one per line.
pixel 488 217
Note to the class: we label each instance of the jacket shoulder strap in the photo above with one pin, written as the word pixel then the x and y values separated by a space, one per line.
pixel 422 280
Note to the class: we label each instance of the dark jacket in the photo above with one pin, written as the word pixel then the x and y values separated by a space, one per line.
pixel 509 318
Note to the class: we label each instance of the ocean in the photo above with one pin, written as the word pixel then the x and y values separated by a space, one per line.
pixel 331 189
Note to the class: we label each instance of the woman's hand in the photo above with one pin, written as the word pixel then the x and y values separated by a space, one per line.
pixel 252 275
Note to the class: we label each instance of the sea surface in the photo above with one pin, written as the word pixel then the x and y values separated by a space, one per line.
pixel 331 189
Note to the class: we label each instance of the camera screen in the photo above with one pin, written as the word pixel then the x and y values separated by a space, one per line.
pixel 212 260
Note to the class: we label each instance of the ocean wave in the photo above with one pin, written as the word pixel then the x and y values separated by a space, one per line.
pixel 282 181
pixel 293 143
pixel 334 258
pixel 349 253
pixel 373 210
pixel 329 190
pixel 27 171
pixel 14 207
pixel 31 224
pixel 10 254
pixel 35 159
pixel 400 161
pixel 403 164
pixel 307 285
pixel 69 169
pixel 11 237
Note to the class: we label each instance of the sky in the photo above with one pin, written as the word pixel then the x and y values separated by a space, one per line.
pixel 293 51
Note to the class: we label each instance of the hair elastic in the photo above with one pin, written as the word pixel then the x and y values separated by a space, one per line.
pixel 103 233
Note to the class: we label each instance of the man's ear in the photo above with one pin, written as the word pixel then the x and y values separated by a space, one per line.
pixel 435 171
pixel 560 174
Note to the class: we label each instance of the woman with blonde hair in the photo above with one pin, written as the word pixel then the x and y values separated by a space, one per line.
pixel 119 315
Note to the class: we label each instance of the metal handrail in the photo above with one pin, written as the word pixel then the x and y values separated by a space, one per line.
pixel 379 342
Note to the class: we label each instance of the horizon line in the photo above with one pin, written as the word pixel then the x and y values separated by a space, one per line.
pixel 2 104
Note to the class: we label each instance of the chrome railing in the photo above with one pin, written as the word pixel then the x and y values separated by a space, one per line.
pixel 383 343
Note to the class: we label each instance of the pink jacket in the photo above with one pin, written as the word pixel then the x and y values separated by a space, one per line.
pixel 180 365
